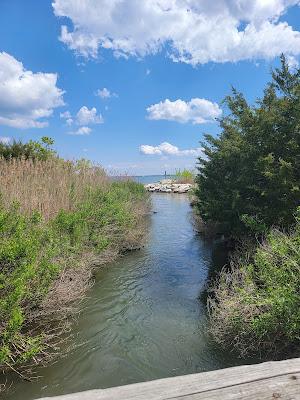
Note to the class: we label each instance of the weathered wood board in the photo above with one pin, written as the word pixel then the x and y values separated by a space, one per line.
pixel 265 381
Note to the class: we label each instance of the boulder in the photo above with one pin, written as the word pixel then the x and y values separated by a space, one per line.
pixel 168 186
pixel 166 181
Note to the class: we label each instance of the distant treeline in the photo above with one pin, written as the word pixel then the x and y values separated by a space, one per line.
pixel 249 191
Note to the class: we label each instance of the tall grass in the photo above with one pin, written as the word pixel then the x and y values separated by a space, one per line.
pixel 58 221
pixel 47 186
pixel 185 176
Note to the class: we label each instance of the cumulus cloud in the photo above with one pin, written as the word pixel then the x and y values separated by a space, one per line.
pixel 84 116
pixel 68 117
pixel 26 98
pixel 88 117
pixel 5 139
pixel 192 31
pixel 293 63
pixel 82 43
pixel 168 149
pixel 83 130
pixel 197 111
pixel 105 93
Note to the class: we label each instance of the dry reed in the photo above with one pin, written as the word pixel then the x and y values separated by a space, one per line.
pixel 47 186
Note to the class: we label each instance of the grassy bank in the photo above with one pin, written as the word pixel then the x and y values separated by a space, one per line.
pixel 58 220
pixel 249 192
pixel 256 302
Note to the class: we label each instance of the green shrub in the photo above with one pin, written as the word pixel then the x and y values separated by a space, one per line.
pixel 26 251
pixel 255 308
pixel 31 150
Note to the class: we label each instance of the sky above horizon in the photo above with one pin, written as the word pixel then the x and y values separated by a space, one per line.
pixel 134 85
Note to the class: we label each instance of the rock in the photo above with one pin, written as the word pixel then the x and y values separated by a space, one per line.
pixel 182 190
pixel 168 186
pixel 165 189
pixel 166 181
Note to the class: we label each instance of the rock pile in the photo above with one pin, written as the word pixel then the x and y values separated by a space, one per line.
pixel 169 186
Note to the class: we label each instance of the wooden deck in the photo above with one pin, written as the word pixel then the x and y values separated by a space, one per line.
pixel 266 381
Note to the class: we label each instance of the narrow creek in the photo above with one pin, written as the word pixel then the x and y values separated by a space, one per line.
pixel 143 319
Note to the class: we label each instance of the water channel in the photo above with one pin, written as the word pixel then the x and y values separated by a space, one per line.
pixel 143 318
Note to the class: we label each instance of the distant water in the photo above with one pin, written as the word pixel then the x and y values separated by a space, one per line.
pixel 151 178
pixel 144 178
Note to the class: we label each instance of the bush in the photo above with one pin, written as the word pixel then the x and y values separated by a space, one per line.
pixel 27 270
pixel 69 217
pixel 249 179
pixel 33 150
pixel 255 307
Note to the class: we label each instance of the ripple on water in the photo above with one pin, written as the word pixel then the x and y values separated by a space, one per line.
pixel 142 319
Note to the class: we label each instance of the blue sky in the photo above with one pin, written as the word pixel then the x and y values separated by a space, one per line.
pixel 165 65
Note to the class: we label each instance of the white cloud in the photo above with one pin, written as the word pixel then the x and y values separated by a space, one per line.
pixel 168 149
pixel 5 139
pixel 105 93
pixel 82 43
pixel 150 150
pixel 68 117
pixel 148 71
pixel 83 117
pixel 293 63
pixel 192 31
pixel 197 111
pixel 26 98
pixel 88 117
pixel 83 130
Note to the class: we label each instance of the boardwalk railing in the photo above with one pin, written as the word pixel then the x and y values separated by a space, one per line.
pixel 266 381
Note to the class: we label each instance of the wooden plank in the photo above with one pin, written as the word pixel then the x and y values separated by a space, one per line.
pixel 285 387
pixel 228 381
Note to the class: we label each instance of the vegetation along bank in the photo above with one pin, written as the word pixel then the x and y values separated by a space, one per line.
pixel 249 192
pixel 58 220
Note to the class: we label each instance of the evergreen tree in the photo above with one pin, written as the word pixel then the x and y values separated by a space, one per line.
pixel 249 178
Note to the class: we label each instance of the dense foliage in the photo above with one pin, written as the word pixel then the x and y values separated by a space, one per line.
pixel 255 309
pixel 249 187
pixel 30 150
pixel 249 178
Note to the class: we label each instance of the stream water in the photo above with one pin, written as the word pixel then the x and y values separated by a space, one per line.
pixel 143 319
